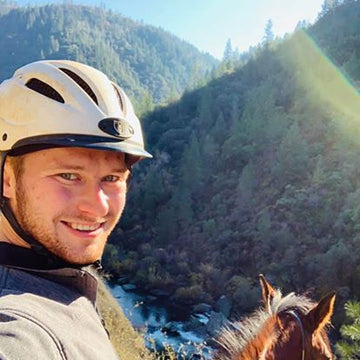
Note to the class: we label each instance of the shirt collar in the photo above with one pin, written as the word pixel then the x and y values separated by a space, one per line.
pixel 80 278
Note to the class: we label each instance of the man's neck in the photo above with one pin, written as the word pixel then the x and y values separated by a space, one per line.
pixel 8 235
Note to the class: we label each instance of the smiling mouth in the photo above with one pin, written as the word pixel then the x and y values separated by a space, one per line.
pixel 83 227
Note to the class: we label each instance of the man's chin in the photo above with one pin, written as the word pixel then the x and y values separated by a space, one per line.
pixel 78 258
pixel 81 260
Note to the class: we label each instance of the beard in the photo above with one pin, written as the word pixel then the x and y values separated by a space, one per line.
pixel 30 222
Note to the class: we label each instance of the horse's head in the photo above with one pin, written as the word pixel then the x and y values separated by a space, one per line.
pixel 301 326
pixel 289 327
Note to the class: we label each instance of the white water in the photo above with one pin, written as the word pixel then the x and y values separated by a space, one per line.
pixel 150 318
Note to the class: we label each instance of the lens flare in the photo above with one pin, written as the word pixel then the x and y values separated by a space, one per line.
pixel 324 83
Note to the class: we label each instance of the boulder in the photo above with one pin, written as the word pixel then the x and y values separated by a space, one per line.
pixel 216 322
pixel 195 324
pixel 170 329
pixel 122 280
pixel 224 305
pixel 160 292
pixel 151 298
pixel 129 287
pixel 202 308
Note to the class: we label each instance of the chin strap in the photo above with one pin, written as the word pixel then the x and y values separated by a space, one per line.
pixel 50 259
pixel 47 258
pixel 10 217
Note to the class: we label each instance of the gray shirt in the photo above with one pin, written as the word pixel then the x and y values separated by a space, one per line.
pixel 50 314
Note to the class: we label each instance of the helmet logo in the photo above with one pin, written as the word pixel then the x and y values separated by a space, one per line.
pixel 117 127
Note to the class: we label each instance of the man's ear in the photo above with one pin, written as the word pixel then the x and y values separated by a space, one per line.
pixel 8 181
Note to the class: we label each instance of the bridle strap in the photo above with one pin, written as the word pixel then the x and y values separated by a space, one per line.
pixel 297 318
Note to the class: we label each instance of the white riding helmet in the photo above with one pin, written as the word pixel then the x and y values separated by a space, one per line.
pixel 66 103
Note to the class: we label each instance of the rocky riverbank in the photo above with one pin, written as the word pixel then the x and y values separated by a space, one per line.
pixel 187 330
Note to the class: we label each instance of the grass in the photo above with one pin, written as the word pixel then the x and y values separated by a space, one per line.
pixel 128 343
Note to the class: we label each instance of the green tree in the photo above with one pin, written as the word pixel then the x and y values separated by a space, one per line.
pixel 166 225
pixel 292 156
pixel 245 189
pixel 269 34
pixel 228 52
pixel 349 347
pixel 329 5
pixel 190 176
pixel 228 61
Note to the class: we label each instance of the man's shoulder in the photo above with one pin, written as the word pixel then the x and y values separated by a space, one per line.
pixel 16 281
pixel 42 297
pixel 30 310
pixel 24 337
pixel 60 284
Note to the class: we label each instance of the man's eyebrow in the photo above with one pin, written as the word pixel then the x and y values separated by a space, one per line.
pixel 60 165
pixel 120 170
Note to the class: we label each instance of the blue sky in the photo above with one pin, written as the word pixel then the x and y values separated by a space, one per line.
pixel 208 24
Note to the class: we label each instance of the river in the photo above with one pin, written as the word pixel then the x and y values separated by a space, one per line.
pixel 163 324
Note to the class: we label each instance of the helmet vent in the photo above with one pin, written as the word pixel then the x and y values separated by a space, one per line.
pixel 44 89
pixel 119 97
pixel 81 83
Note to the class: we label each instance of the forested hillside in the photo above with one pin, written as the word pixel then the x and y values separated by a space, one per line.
pixel 256 172
pixel 148 62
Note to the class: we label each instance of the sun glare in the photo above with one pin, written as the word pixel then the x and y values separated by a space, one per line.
pixel 325 83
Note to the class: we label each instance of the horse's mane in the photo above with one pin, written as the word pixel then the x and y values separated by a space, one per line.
pixel 236 336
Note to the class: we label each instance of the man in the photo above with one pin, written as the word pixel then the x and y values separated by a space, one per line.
pixel 68 140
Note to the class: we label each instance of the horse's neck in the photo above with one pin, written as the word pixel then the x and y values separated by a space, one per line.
pixel 262 343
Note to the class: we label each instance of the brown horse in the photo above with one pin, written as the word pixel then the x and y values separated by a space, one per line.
pixel 288 328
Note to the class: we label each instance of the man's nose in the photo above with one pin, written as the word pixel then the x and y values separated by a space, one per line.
pixel 94 201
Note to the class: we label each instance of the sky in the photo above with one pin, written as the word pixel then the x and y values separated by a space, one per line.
pixel 208 24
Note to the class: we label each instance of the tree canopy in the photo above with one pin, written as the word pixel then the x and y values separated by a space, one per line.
pixel 256 172
pixel 151 64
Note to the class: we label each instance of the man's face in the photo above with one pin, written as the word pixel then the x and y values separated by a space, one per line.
pixel 70 199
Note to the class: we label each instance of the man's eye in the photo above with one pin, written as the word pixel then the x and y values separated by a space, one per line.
pixel 111 178
pixel 68 176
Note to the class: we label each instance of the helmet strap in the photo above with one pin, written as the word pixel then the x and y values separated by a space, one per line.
pixel 10 217
pixel 3 155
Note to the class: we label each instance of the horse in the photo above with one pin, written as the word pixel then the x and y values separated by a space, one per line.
pixel 292 327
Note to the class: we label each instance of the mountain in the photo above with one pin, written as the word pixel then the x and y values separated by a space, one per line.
pixel 256 172
pixel 148 62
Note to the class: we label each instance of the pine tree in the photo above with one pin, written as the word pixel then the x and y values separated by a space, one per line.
pixel 228 52
pixel 349 347
pixel 329 5
pixel 191 166
pixel 269 35
pixel 293 156
pixel 228 57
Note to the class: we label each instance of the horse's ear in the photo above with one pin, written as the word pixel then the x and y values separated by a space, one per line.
pixel 321 313
pixel 268 292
